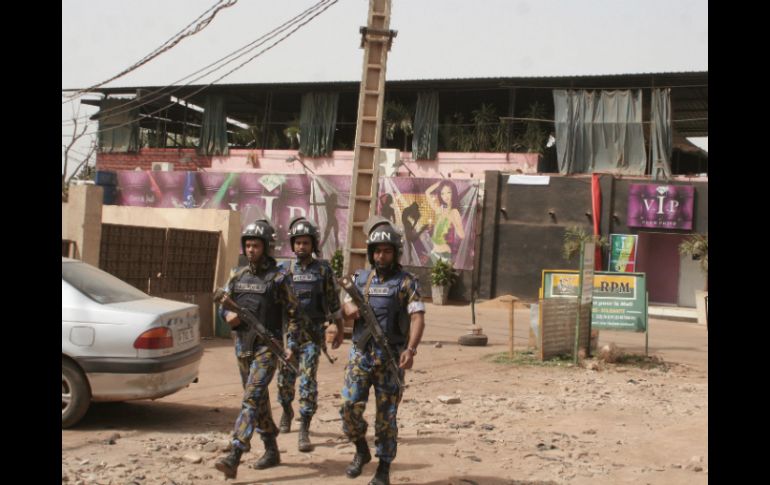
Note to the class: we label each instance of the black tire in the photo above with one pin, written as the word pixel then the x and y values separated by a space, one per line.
pixel 74 386
pixel 472 339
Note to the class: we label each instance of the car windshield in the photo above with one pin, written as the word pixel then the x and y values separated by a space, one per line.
pixel 98 285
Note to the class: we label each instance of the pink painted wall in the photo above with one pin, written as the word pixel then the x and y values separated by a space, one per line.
pixel 449 164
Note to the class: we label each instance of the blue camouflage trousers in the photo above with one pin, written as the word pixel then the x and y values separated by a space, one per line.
pixel 309 354
pixel 256 373
pixel 365 369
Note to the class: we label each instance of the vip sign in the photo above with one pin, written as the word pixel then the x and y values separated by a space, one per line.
pixel 660 206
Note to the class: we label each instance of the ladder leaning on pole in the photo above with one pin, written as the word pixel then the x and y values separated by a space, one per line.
pixel 376 39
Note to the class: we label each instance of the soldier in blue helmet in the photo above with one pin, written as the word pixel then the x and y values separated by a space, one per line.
pixel 394 296
pixel 264 289
pixel 318 295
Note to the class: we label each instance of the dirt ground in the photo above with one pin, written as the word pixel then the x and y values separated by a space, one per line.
pixel 514 424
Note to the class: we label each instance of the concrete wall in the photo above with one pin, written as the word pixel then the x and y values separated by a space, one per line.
pixel 228 223
pixel 82 221
pixel 521 238
pixel 691 279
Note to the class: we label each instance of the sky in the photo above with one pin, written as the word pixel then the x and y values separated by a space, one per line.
pixel 436 39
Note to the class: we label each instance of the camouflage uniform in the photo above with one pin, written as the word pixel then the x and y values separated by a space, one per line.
pixel 367 367
pixel 317 293
pixel 258 365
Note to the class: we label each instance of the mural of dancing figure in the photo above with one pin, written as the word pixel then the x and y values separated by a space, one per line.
pixel 332 224
pixel 447 217
pixel 386 208
pixel 413 230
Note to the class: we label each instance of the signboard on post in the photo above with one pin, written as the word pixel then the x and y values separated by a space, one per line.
pixel 560 284
pixel 620 302
pixel 587 252
pixel 623 253
pixel 618 299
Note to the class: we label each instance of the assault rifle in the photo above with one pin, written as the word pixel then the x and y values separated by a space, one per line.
pixel 250 327
pixel 372 326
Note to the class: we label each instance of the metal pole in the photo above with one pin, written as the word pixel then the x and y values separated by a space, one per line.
pixel 473 308
pixel 646 324
pixel 510 329
pixel 580 298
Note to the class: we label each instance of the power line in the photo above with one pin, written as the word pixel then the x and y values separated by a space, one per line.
pixel 173 87
pixel 185 98
pixel 174 40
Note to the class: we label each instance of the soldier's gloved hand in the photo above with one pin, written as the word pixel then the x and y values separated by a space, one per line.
pixel 407 359
pixel 232 319
pixel 350 311
pixel 288 354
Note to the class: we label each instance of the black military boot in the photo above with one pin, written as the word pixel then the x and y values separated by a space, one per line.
pixel 382 475
pixel 286 417
pixel 303 441
pixel 362 457
pixel 272 456
pixel 229 464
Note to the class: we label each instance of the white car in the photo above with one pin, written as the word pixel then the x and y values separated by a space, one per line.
pixel 120 344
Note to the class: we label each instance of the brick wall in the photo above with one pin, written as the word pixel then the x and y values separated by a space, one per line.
pixel 185 159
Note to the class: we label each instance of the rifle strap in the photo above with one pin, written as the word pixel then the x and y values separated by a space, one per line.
pixel 368 285
pixel 366 334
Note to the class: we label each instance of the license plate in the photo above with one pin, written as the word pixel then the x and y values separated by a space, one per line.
pixel 185 335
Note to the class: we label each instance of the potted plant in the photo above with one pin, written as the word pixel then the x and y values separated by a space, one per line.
pixel 697 247
pixel 337 262
pixel 442 275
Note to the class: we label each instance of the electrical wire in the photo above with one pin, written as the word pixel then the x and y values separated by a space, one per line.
pixel 185 98
pixel 174 40
pixel 159 93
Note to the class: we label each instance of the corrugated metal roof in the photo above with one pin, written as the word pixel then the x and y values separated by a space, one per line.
pixel 657 79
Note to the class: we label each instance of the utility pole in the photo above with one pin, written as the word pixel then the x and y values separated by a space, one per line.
pixel 376 40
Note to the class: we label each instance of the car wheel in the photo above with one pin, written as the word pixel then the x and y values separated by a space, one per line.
pixel 75 394
pixel 472 340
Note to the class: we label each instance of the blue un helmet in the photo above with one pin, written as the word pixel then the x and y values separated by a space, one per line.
pixel 381 231
pixel 259 229
pixel 300 226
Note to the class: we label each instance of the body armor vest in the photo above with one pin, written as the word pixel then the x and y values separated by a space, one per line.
pixel 308 286
pixel 258 293
pixel 386 303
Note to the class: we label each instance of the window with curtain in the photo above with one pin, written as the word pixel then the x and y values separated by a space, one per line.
pixel 118 127
pixel 425 139
pixel 317 122
pixel 214 127
pixel 599 131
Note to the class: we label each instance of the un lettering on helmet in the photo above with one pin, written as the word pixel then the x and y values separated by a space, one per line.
pixel 380 236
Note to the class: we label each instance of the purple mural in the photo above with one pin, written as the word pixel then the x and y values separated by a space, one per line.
pixel 278 198
pixel 660 206
pixel 437 216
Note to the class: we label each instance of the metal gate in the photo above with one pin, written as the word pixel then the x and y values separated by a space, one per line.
pixel 178 264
